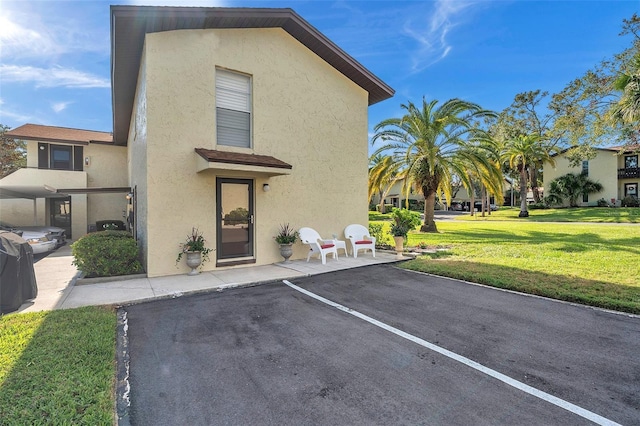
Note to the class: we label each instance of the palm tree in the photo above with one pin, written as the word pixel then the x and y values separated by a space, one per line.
pixel 383 173
pixel 521 154
pixel 431 144
pixel 627 109
pixel 572 186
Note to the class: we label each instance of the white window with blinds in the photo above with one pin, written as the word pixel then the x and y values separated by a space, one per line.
pixel 233 109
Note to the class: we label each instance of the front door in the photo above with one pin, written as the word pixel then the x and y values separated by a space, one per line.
pixel 234 205
pixel 60 214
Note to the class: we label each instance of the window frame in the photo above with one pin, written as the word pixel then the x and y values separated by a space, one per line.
pixel 60 148
pixel 234 96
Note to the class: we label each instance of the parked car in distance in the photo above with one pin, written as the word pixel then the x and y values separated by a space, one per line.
pixel 40 242
pixel 457 206
pixel 53 232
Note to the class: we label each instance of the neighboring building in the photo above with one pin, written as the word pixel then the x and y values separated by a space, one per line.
pixel 395 196
pixel 233 121
pixel 615 168
pixel 73 178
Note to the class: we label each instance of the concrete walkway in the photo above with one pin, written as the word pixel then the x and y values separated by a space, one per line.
pixel 59 285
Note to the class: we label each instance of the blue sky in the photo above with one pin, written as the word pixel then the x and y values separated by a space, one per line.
pixel 54 57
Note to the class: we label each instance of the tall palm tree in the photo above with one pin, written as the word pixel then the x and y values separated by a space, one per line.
pixel 432 145
pixel 521 154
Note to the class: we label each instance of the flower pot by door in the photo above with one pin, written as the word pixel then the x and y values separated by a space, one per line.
pixel 286 251
pixel 194 259
pixel 399 245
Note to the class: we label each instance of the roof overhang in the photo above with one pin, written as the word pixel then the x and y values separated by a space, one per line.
pixel 130 24
pixel 33 192
pixel 28 192
pixel 252 164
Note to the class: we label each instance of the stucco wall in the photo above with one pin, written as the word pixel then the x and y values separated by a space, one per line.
pixel 137 157
pixel 602 169
pixel 107 168
pixel 304 112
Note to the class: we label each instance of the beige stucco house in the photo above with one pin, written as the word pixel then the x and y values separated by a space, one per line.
pixel 615 168
pixel 73 179
pixel 233 121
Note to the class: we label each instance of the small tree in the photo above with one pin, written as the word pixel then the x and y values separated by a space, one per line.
pixel 571 186
pixel 13 153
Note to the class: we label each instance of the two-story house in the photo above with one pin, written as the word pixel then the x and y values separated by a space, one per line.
pixel 234 121
pixel 73 179
pixel 616 168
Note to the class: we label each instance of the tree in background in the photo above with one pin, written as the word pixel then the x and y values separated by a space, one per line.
pixel 571 186
pixel 591 110
pixel 526 116
pixel 383 173
pixel 13 153
pixel 523 153
pixel 432 144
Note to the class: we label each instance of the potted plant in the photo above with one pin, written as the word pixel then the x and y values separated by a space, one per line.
pixel 403 221
pixel 285 238
pixel 195 250
pixel 399 232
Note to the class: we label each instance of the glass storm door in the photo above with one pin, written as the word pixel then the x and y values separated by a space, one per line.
pixel 234 205
pixel 60 214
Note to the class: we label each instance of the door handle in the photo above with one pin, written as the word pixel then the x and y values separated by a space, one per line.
pixel 251 219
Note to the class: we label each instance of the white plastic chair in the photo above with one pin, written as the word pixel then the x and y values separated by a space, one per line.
pixel 317 245
pixel 360 239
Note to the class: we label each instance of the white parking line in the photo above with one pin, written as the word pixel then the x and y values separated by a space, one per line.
pixel 486 370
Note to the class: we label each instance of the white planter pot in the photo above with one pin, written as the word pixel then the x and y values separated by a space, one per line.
pixel 286 250
pixel 399 245
pixel 194 259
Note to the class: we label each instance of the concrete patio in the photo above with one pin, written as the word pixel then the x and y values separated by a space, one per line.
pixel 60 285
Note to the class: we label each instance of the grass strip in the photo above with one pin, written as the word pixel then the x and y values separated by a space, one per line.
pixel 593 264
pixel 58 367
pixel 579 214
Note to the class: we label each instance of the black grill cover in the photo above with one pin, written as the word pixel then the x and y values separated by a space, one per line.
pixel 17 276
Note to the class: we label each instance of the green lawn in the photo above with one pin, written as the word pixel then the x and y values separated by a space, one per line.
pixel 594 264
pixel 58 367
pixel 581 214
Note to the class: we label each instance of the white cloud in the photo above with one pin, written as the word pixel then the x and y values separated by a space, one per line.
pixel 52 77
pixel 431 33
pixel 60 106
pixel 10 116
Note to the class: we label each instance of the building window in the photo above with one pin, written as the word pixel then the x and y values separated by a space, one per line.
pixel 60 157
pixel 585 197
pixel 631 190
pixel 630 161
pixel 233 109
pixel 585 168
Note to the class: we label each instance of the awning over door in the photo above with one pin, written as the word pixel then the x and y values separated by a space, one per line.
pixel 255 164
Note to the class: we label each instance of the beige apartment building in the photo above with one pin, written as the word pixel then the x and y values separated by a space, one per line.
pixel 233 121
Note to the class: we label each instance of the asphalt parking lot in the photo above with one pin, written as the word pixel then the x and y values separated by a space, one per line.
pixel 271 354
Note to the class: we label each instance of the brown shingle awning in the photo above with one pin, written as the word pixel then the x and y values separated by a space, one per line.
pixel 253 163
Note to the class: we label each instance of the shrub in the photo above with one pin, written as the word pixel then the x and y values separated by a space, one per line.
pixel 538 206
pixel 105 254
pixel 603 203
pixel 629 201
pixel 382 238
